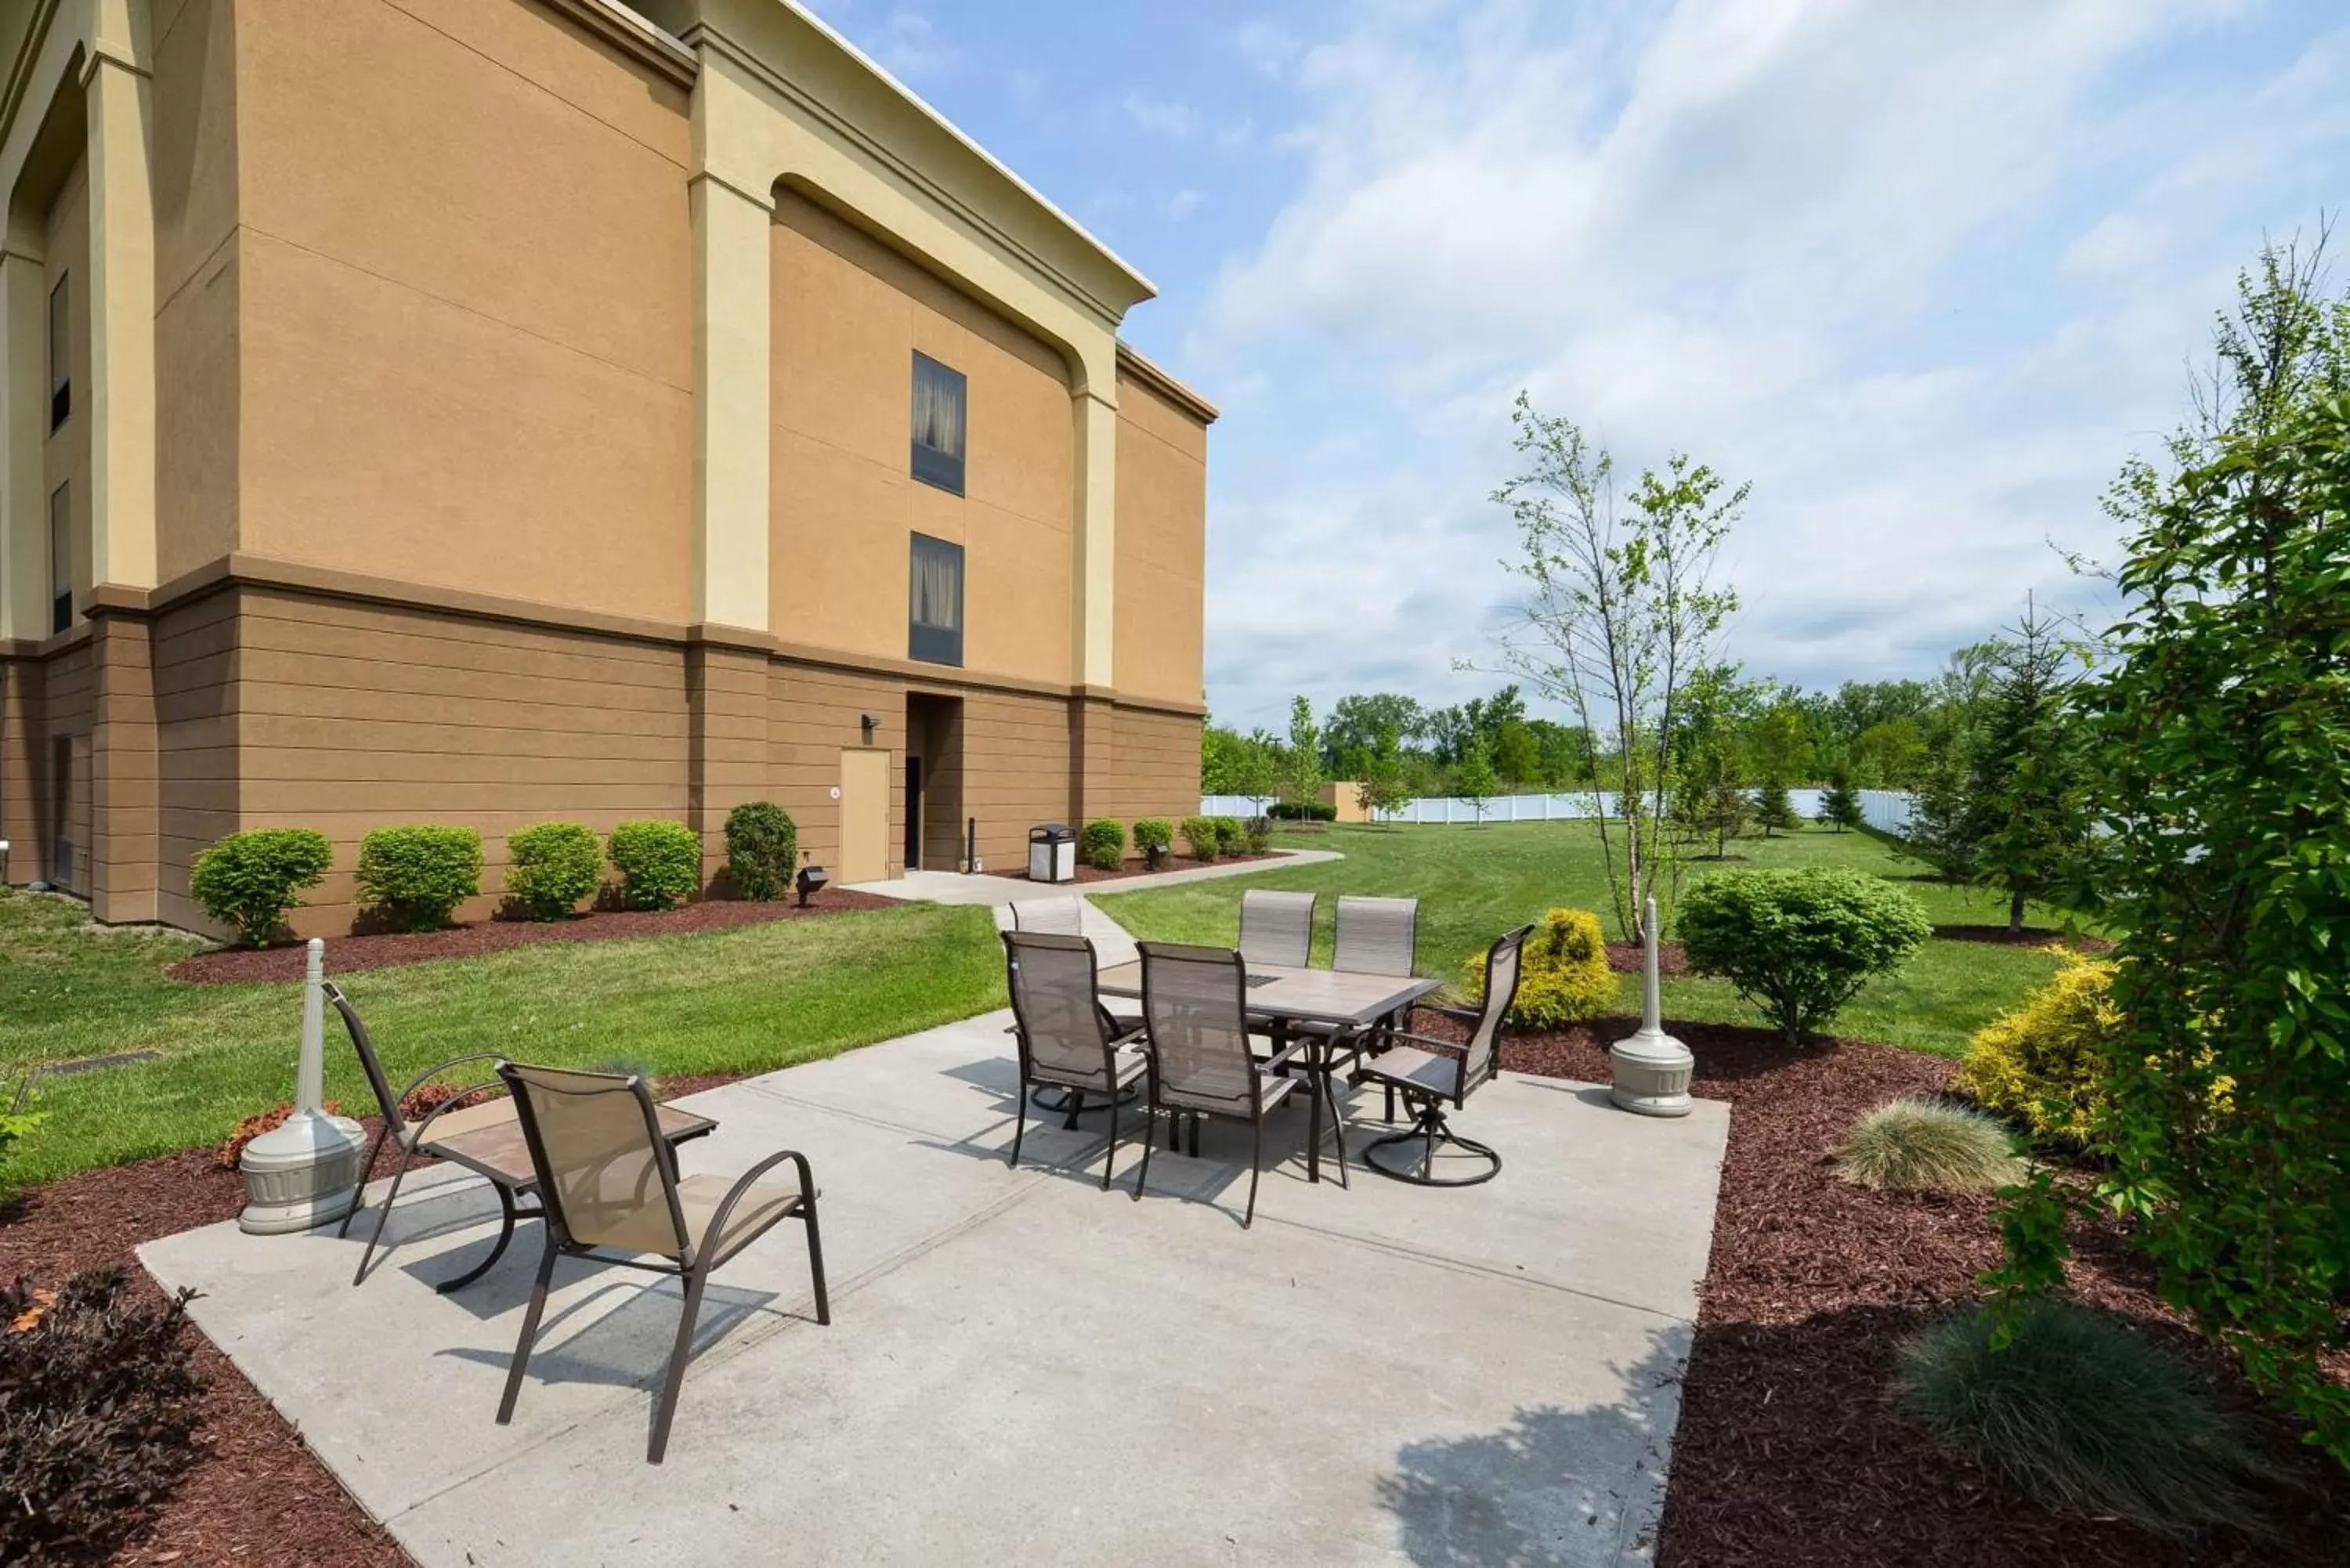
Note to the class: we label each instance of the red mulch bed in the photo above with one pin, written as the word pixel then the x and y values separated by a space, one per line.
pixel 255 1495
pixel 1139 869
pixel 2030 936
pixel 1626 958
pixel 388 949
pixel 1788 1452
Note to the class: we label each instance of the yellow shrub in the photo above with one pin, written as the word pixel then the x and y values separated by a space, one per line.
pixel 2042 1062
pixel 1562 973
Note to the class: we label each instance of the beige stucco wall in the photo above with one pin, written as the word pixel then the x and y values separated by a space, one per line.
pixel 1162 500
pixel 848 317
pixel 196 277
pixel 65 449
pixel 465 302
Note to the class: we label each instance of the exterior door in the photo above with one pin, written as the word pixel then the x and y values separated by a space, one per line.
pixel 913 813
pixel 863 816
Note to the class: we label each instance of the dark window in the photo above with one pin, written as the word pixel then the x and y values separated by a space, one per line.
pixel 934 632
pixel 61 356
pixel 60 560
pixel 940 407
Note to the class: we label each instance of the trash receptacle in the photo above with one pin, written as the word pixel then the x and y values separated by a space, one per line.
pixel 1052 853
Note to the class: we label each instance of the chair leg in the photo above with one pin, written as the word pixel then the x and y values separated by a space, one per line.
pixel 1149 1136
pixel 1195 1120
pixel 358 1199
pixel 678 1356
pixel 506 1234
pixel 1077 1106
pixel 1110 1158
pixel 383 1216
pixel 529 1330
pixel 1256 1169
pixel 1337 1124
pixel 1019 1127
pixel 816 1265
pixel 1389 1118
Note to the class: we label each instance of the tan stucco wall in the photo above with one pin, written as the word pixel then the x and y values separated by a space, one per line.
pixel 196 277
pixel 65 449
pixel 848 317
pixel 1162 500
pixel 465 302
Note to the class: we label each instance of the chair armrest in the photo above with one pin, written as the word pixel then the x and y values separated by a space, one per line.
pixel 416 1133
pixel 1281 1057
pixel 1469 1015
pixel 429 1074
pixel 1452 1048
pixel 743 1183
pixel 1140 1038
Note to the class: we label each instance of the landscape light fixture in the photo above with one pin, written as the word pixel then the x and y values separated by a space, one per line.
pixel 867 722
pixel 811 878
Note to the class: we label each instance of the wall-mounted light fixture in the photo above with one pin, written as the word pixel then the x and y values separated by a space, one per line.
pixel 867 722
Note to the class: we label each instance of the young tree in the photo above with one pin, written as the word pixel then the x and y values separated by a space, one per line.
pixel 1710 801
pixel 1945 829
pixel 1258 767
pixel 1516 757
pixel 1300 776
pixel 2028 785
pixel 1380 792
pixel 1841 805
pixel 2220 741
pixel 1774 809
pixel 1621 611
pixel 1477 783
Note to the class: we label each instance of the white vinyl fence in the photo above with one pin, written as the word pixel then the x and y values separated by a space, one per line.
pixel 1886 810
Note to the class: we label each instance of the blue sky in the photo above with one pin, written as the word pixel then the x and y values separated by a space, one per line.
pixel 1924 274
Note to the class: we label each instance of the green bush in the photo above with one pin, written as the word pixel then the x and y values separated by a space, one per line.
pixel 250 879
pixel 1102 843
pixel 2077 1413
pixel 1799 944
pixel 1562 973
pixel 1200 837
pixel 15 1126
pixel 1260 834
pixel 551 867
pixel 1152 835
pixel 1917 1143
pixel 660 863
pixel 1304 811
pixel 763 849
pixel 100 1415
pixel 417 874
pixel 1231 836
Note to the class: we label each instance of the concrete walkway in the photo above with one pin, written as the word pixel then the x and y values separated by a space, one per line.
pixel 1021 1366
pixel 953 887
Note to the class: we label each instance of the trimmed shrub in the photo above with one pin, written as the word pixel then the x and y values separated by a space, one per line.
pixel 660 863
pixel 1231 836
pixel 1102 844
pixel 1915 1144
pixel 250 879
pixel 1799 944
pixel 15 1126
pixel 2077 1413
pixel 1562 973
pixel 1260 834
pixel 1152 835
pixel 418 873
pixel 1302 811
pixel 763 849
pixel 551 867
pixel 98 1416
pixel 2044 1062
pixel 1200 838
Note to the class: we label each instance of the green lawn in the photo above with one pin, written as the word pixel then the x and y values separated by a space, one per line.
pixel 1473 883
pixel 746 1000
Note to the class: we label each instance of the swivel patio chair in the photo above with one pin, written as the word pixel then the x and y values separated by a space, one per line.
pixel 1066 1040
pixel 1063 917
pixel 1067 917
pixel 1377 936
pixel 1278 927
pixel 1432 1074
pixel 1200 1063
pixel 609 1185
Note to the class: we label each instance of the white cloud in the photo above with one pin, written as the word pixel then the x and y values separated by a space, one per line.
pixel 1924 274
pixel 1161 117
pixel 1181 204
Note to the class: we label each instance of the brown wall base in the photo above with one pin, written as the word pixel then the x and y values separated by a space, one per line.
pixel 246 705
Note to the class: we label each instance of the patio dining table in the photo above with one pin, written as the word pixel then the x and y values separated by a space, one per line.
pixel 1289 999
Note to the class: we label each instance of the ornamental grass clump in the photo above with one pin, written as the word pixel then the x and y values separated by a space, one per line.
pixel 1799 944
pixel 551 866
pixel 1562 973
pixel 1919 1144
pixel 2077 1413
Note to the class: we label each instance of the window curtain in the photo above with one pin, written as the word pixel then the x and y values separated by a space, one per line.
pixel 937 410
pixel 938 586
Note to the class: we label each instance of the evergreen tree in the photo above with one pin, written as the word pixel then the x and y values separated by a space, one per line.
pixel 1945 827
pixel 2028 779
pixel 1775 810
pixel 1841 805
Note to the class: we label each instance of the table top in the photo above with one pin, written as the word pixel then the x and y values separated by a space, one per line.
pixel 1301 996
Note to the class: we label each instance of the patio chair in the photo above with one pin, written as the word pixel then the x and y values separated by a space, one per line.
pixel 1432 1074
pixel 1065 1039
pixel 1067 917
pixel 1061 916
pixel 1377 936
pixel 469 1135
pixel 1200 1063
pixel 1278 927
pixel 610 1188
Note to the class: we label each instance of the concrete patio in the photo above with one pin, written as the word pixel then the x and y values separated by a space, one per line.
pixel 1022 1367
